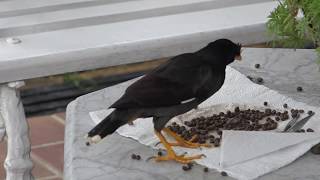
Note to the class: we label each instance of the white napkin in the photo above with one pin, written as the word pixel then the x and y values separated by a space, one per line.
pixel 241 155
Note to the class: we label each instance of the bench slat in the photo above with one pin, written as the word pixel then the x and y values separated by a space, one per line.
pixel 102 14
pixel 19 5
pixel 63 19
pixel 129 41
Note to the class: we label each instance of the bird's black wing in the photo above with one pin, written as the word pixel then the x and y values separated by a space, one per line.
pixel 177 80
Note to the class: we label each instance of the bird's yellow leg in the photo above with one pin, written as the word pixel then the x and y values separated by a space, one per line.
pixel 183 143
pixel 171 155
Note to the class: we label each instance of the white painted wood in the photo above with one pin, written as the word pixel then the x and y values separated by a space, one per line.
pixel 129 41
pixel 16 5
pixel 107 13
pixel 45 21
pixel 18 164
pixel 2 128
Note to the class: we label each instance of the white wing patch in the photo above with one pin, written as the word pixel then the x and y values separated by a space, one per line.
pixel 186 101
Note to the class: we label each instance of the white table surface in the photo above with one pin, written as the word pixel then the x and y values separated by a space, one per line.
pixel 282 69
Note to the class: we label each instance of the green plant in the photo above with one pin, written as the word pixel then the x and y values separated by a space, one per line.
pixel 78 81
pixel 295 23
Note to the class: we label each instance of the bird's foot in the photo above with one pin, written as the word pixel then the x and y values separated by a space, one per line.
pixel 182 142
pixel 189 144
pixel 171 155
pixel 179 158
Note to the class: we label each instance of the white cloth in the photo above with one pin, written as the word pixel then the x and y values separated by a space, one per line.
pixel 243 155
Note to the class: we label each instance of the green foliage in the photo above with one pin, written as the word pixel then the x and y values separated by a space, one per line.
pixel 295 23
pixel 78 81
pixel 318 52
pixel 72 78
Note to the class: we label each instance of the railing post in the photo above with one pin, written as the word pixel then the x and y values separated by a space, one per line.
pixel 2 128
pixel 18 164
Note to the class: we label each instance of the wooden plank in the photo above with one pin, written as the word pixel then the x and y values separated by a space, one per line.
pixel 32 6
pixel 63 18
pixel 109 13
pixel 129 41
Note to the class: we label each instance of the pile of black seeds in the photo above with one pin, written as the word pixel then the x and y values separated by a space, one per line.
pixel 209 129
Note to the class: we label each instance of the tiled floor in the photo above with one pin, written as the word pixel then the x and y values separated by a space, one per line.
pixel 47 134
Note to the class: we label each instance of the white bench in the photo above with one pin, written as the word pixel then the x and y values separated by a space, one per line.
pixel 48 37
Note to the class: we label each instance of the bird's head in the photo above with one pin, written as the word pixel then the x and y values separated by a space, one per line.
pixel 222 51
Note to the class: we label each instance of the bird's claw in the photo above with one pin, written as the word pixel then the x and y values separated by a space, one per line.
pixel 157 144
pixel 151 157
pixel 188 144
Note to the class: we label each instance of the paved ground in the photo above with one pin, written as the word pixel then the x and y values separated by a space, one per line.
pixel 47 135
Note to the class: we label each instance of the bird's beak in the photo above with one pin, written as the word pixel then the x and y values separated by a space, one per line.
pixel 238 57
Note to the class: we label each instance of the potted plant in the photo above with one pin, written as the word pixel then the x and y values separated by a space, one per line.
pixel 296 24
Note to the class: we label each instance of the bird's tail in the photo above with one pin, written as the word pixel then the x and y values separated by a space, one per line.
pixel 109 125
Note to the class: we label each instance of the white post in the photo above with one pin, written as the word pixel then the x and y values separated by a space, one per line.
pixel 2 129
pixel 18 164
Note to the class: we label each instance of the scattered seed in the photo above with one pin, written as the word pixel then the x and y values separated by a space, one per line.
pixel 138 157
pixel 206 169
pixel 216 143
pixel 310 112
pixel 294 115
pixel 133 156
pixel 310 130
pixel 257 66
pixel 316 149
pixel 299 89
pixel 285 105
pixel 223 173
pixel 265 103
pixel 259 80
pixel 87 143
pixel 190 165
pixel 185 168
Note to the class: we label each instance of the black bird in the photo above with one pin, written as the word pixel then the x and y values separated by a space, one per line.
pixel 173 88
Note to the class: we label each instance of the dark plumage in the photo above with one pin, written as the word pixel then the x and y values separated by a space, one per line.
pixel 173 88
